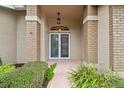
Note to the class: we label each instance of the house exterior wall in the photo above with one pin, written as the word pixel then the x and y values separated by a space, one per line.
pixel 84 42
pixel 103 38
pixel 117 37
pixel 21 36
pixel 8 35
pixel 44 38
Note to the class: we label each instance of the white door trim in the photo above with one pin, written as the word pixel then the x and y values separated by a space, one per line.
pixel 59 34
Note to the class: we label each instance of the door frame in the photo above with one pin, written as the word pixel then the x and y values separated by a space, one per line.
pixel 59 54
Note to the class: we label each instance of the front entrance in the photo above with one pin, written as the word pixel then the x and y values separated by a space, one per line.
pixel 59 45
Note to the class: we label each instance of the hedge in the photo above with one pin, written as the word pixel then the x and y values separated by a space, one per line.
pixel 31 75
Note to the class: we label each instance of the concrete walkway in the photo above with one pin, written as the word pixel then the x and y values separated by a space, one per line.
pixel 60 79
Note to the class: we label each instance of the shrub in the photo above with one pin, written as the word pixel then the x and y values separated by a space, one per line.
pixel 110 80
pixel 1 62
pixel 87 76
pixel 6 68
pixel 50 72
pixel 30 75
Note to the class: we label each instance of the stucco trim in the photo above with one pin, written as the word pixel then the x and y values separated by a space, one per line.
pixel 33 18
pixel 87 18
pixel 103 39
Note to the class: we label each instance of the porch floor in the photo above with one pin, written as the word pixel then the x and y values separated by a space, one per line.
pixel 60 79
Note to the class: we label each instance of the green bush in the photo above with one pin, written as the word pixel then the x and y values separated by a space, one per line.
pixel 87 76
pixel 6 68
pixel 1 62
pixel 29 76
pixel 50 72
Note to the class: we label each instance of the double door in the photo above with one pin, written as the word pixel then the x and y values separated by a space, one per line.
pixel 59 45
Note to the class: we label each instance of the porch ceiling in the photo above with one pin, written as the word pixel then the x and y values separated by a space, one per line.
pixel 67 11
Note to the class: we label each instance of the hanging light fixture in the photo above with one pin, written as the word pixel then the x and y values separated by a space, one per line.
pixel 59 27
pixel 58 18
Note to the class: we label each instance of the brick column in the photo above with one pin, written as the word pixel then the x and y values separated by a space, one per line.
pixel 32 32
pixel 117 38
pixel 92 41
pixel 90 30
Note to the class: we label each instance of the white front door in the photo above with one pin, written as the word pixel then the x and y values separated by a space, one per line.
pixel 59 45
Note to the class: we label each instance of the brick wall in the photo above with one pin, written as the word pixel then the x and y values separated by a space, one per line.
pixel 117 37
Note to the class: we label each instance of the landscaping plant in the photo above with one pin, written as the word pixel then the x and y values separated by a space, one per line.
pixel 6 68
pixel 50 71
pixel 31 75
pixel 87 76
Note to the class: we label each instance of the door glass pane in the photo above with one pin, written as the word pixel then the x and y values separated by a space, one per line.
pixel 54 45
pixel 64 45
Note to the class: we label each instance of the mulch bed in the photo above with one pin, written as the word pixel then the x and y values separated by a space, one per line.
pixel 19 65
pixel 45 83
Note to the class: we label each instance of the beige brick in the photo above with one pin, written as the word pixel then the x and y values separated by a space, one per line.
pixel 117 37
pixel 32 34
pixel 92 42
pixel 90 36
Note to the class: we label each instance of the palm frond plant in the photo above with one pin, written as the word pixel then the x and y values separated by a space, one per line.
pixel 87 76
